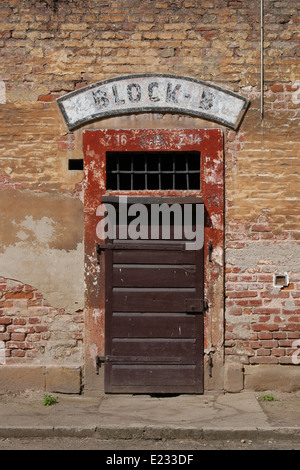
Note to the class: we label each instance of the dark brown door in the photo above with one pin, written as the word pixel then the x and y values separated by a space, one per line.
pixel 154 317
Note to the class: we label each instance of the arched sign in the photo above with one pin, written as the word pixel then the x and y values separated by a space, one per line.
pixel 152 93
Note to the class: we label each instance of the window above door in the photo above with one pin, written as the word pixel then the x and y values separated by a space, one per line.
pixel 153 170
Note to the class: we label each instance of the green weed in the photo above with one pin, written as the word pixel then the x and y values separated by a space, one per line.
pixel 267 398
pixel 49 400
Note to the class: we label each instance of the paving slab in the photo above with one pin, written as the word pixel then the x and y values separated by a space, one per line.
pixel 213 409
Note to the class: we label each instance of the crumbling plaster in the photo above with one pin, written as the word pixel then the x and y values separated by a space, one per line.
pixel 285 255
pixel 41 244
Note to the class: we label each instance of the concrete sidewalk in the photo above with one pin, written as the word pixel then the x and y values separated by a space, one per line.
pixel 209 416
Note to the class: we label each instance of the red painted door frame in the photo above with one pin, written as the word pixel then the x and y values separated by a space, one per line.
pixel 209 142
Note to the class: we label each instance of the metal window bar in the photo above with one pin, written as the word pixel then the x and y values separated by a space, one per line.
pixel 118 171
pixel 174 173
pixel 159 171
pixel 187 172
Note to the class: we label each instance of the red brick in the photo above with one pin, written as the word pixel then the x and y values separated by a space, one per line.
pixel 235 311
pixel 265 278
pixel 278 352
pixel 5 321
pixel 285 343
pixel 18 295
pixel 263 360
pixel 260 228
pixel 293 335
pixel 265 327
pixel 40 329
pixel 48 98
pixel 276 88
pixel 19 321
pixel 291 312
pixel 294 318
pixel 291 327
pixel 17 353
pixel 18 345
pixel 20 329
pixel 263 352
pixel 280 295
pixel 66 145
pixel 265 335
pixel 33 337
pixel 17 336
pixel 279 335
pixel 254 302
pixel 269 343
pixel 34 320
pixel 27 287
pixel 285 360
pixel 6 304
pixel 266 311
pixel 4 336
pixel 241 294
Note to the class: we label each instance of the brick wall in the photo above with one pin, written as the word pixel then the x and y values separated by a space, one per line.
pixel 262 318
pixel 49 48
pixel 32 331
pixel 262 230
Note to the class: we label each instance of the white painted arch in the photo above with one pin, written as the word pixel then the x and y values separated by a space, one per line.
pixel 152 93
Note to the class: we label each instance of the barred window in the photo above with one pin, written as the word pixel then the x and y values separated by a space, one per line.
pixel 152 170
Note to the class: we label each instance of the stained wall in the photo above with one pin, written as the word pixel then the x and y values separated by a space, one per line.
pixel 49 48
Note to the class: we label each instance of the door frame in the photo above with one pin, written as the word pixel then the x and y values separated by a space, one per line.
pixel 210 144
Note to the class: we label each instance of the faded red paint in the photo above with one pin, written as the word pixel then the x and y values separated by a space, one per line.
pixel 209 142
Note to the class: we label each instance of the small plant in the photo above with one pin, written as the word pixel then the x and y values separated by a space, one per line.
pixel 267 398
pixel 49 400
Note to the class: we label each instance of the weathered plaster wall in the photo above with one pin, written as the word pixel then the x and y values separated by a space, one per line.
pixel 42 282
pixel 42 244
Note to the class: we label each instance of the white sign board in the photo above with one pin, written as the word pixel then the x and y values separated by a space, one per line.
pixel 152 93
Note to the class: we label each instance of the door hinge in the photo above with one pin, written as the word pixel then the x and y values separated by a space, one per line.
pixel 99 249
pixel 103 247
pixel 210 362
pixel 196 305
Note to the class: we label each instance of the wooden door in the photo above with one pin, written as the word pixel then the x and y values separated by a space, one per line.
pixel 154 317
